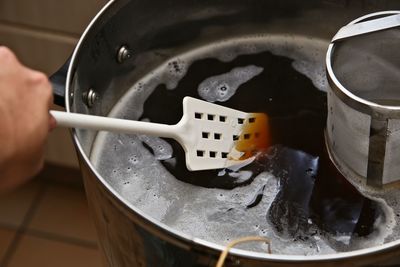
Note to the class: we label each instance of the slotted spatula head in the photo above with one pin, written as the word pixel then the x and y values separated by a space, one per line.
pixel 217 137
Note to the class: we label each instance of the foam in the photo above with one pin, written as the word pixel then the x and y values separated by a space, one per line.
pixel 138 176
pixel 222 87
pixel 161 149
pixel 389 199
pixel 176 70
pixel 308 59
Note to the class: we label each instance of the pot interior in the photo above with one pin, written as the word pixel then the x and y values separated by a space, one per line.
pixel 256 56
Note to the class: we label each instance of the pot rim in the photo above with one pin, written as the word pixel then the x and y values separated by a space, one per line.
pixel 178 234
pixel 352 100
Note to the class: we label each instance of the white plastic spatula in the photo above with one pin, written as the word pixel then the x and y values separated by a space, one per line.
pixel 212 136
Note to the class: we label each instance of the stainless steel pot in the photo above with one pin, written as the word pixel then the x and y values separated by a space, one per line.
pixel 110 56
pixel 374 155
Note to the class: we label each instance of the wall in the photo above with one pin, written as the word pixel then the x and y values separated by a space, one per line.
pixel 43 34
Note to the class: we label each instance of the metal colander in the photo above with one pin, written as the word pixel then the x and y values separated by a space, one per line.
pixel 363 66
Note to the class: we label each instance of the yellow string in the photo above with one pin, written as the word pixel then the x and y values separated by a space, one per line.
pixel 235 242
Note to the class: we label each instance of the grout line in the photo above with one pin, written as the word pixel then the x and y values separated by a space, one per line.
pixel 62 239
pixel 22 228
pixel 52 170
pixel 31 27
pixel 8 226
pixel 52 183
pixel 33 31
pixel 71 186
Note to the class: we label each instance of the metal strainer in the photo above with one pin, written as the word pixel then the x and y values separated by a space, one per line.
pixel 363 125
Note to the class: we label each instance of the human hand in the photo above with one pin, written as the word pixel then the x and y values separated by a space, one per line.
pixel 25 99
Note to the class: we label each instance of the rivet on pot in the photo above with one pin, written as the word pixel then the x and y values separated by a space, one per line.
pixel 71 97
pixel 90 97
pixel 123 54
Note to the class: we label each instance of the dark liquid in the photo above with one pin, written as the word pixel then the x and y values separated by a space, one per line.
pixel 310 188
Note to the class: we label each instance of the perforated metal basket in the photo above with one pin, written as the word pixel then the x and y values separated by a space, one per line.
pixel 363 125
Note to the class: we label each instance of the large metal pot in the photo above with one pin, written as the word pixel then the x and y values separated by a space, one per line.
pixel 106 62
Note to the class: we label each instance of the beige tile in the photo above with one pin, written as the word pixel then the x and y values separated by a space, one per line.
pixel 62 175
pixel 37 49
pixel 68 16
pixel 6 237
pixel 63 211
pixel 37 252
pixel 14 205
pixel 60 148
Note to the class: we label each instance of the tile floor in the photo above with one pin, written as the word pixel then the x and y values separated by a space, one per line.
pixel 46 223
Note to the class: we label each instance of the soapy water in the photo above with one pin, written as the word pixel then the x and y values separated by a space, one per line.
pixel 308 59
pixel 141 168
pixel 158 146
pixel 222 87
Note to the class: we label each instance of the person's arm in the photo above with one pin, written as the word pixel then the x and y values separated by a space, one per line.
pixel 25 99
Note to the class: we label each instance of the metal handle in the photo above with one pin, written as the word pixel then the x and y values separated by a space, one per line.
pixel 368 26
pixel 58 80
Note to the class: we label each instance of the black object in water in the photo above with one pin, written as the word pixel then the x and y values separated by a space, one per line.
pixel 337 205
pixel 289 212
pixel 312 190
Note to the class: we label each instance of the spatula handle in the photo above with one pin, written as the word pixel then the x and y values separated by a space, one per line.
pixel 83 121
pixel 368 26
